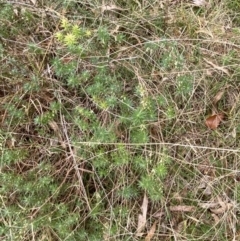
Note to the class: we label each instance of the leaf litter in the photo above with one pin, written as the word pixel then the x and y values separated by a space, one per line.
pixel 213 121
pixel 151 232
pixel 142 218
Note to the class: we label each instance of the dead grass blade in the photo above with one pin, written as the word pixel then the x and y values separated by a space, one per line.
pixel 224 70
pixel 182 208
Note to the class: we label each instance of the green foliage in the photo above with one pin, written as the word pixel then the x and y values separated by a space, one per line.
pixel 161 170
pixel 152 186
pixel 15 114
pixel 170 112
pixel 234 6
pixel 102 135
pixel 7 15
pixel 74 81
pixel 44 118
pixel 64 69
pixel 103 35
pixel 172 57
pixel 30 192
pixel 152 182
pixel 71 34
pixel 121 156
pixel 139 135
pixel 140 163
pixel 33 85
pixel 128 192
pixel 33 48
pixel 9 157
pixel 184 85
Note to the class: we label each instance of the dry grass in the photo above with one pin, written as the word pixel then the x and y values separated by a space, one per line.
pixel 88 130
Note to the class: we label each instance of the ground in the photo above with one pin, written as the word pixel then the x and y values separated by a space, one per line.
pixel 119 120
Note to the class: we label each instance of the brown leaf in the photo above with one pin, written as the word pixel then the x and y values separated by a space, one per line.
pixel 151 232
pixel 208 205
pixel 54 126
pixel 218 97
pixel 208 190
pixel 216 218
pixel 111 7
pixel 207 169
pixel 142 218
pixel 177 196
pixel 33 2
pixel 181 227
pixel 158 214
pixel 224 207
pixel 213 121
pixel 182 208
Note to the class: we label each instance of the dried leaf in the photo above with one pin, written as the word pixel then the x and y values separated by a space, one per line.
pixel 234 133
pixel 10 143
pixel 213 121
pixel 177 197
pixel 202 185
pixel 224 70
pixel 199 3
pixel 237 177
pixel 54 126
pixel 206 32
pixel 204 182
pixel 216 218
pixel 181 227
pixel 33 2
pixel 224 207
pixel 208 190
pixel 208 171
pixel 142 218
pixel 158 214
pixel 151 232
pixel 218 97
pixel 182 208
pixel 111 7
pixel 218 210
